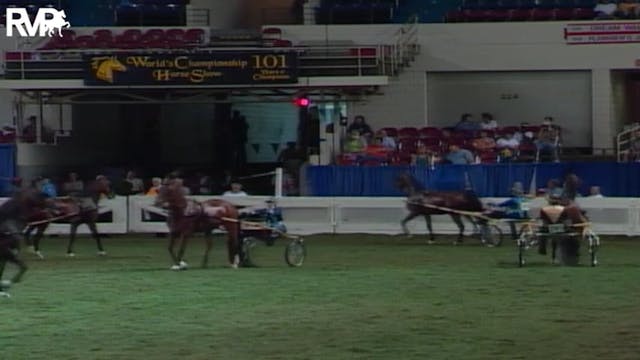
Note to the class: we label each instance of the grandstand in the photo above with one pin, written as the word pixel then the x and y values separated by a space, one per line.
pixel 399 67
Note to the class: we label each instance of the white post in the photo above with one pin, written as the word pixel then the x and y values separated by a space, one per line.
pixel 279 181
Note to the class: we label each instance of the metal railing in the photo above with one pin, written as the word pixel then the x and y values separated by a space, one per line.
pixel 315 61
pixel 198 17
pixel 624 140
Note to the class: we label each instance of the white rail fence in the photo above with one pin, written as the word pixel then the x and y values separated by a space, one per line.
pixel 343 215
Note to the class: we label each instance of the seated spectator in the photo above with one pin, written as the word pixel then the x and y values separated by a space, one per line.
pixel 508 141
pixel 137 186
pixel 360 125
pixel 386 140
pixel 156 183
pixel 423 157
pixel 205 184
pixel 466 123
pixel 594 192
pixel 236 190
pixel 628 9
pixel 487 122
pixel 605 9
pixel 484 142
pixel 459 156
pixel 377 150
pixel 72 186
pixel 634 147
pixel 354 143
pixel 548 138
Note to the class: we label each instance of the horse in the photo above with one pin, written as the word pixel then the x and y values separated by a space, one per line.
pixel 187 216
pixel 426 203
pixel 14 214
pixel 78 209
pixel 562 210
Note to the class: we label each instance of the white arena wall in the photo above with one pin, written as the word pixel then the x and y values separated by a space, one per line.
pixel 344 215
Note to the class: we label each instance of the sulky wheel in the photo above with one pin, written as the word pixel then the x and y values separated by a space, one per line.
pixel 594 243
pixel 524 241
pixel 295 253
pixel 248 244
pixel 490 235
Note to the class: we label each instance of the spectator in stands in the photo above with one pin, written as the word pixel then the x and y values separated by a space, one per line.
pixel 553 189
pixel 423 157
pixel 548 138
pixel 361 126
pixel 290 158
pixel 156 184
pixel 605 9
pixel 507 147
pixel 137 186
pixel 387 141
pixel 484 142
pixel 205 185
pixel 634 147
pixel 467 123
pixel 487 122
pixel 73 185
pixel 355 143
pixel 236 190
pixel 594 192
pixel 377 151
pixel 628 9
pixel 459 156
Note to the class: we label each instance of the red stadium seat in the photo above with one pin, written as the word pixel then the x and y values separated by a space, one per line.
pixel 563 14
pixel 519 14
pixel 430 142
pixel 407 145
pixel 408 132
pixel 102 34
pixel 583 14
pixel 430 132
pixel 540 14
pixel 393 132
pixel 195 37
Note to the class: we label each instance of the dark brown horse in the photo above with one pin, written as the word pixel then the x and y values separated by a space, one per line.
pixel 77 209
pixel 187 216
pixel 14 214
pixel 426 203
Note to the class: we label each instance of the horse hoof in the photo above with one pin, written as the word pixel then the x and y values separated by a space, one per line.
pixel 71 254
pixel 4 294
pixel 175 267
pixel 39 255
pixel 233 266
pixel 183 265
pixel 5 284
pixel 102 253
pixel 430 242
pixel 31 249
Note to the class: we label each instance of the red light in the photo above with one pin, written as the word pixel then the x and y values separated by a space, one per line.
pixel 302 102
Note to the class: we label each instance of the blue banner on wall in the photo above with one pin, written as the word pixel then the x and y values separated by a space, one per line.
pixel 493 180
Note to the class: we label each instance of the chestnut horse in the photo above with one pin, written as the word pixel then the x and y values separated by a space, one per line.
pixel 77 210
pixel 14 214
pixel 187 216
pixel 426 203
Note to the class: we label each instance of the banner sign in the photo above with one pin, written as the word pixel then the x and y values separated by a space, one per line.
pixel 602 33
pixel 218 68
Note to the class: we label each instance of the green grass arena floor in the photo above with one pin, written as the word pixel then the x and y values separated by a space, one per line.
pixel 356 297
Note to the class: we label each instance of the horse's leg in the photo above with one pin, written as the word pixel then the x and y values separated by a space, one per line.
pixel 36 240
pixel 233 243
pixel 458 220
pixel 554 247
pixel 208 242
pixel 27 238
pixel 94 232
pixel 172 242
pixel 473 222
pixel 427 219
pixel 404 222
pixel 184 238
pixel 22 268
pixel 72 238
